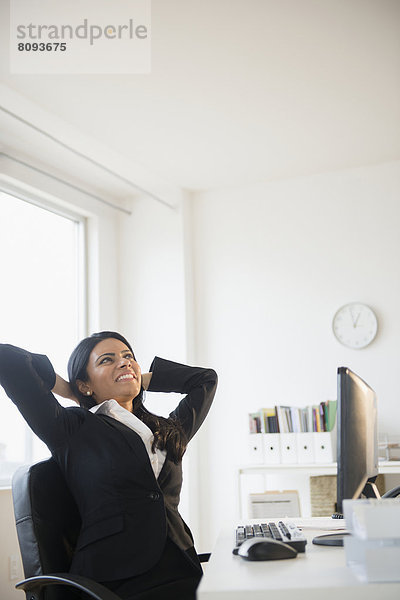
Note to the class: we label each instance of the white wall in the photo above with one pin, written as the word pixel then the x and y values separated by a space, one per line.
pixel 150 267
pixel 155 310
pixel 272 264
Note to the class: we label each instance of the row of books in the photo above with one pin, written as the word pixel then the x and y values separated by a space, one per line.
pixel 292 419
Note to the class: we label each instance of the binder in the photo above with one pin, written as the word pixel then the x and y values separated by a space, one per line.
pixel 272 450
pixel 305 447
pixel 255 448
pixel 331 412
pixel 291 448
pixel 270 420
pixel 324 449
pixel 288 448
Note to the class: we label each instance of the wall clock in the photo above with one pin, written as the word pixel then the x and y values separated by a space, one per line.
pixel 355 325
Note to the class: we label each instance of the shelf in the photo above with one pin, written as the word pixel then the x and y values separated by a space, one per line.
pixel 392 466
pixel 300 473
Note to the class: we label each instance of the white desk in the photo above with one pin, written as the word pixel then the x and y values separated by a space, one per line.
pixel 318 574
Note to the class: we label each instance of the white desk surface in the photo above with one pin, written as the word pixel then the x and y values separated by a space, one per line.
pixel 318 574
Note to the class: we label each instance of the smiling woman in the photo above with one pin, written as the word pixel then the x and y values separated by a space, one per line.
pixel 112 372
pixel 103 367
pixel 122 464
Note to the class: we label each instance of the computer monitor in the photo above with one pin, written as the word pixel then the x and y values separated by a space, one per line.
pixel 357 438
pixel 357 445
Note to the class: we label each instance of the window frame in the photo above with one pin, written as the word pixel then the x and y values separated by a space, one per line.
pixel 45 202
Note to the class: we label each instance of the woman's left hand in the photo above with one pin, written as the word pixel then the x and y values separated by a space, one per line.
pixel 63 389
pixel 146 378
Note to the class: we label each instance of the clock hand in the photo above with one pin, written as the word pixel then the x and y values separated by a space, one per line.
pixel 356 321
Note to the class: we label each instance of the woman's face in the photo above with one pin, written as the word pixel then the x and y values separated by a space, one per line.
pixel 112 373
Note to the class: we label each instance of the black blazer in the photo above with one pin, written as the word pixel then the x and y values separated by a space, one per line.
pixel 106 465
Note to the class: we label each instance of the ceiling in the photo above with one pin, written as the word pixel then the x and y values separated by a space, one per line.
pixel 244 91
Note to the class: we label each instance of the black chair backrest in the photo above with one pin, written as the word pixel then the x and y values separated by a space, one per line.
pixel 47 518
pixel 48 524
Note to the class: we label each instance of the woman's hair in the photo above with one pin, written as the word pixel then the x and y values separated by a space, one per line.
pixel 168 433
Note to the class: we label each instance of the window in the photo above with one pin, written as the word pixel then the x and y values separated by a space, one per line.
pixel 41 304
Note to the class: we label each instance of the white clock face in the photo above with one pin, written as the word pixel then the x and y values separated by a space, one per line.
pixel 355 325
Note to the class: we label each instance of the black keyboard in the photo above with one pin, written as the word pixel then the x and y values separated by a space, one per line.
pixel 284 532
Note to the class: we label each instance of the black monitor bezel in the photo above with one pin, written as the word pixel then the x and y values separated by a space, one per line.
pixel 351 434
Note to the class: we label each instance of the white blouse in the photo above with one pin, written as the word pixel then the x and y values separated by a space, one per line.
pixel 112 409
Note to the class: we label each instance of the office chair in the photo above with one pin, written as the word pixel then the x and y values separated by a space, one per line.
pixel 48 525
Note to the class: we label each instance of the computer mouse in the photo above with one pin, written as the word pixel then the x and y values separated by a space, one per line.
pixel 265 549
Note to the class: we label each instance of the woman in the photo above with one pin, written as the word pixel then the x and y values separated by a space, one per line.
pixel 122 464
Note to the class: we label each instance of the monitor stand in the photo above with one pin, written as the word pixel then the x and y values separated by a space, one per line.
pixel 331 539
pixel 370 490
pixel 336 539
